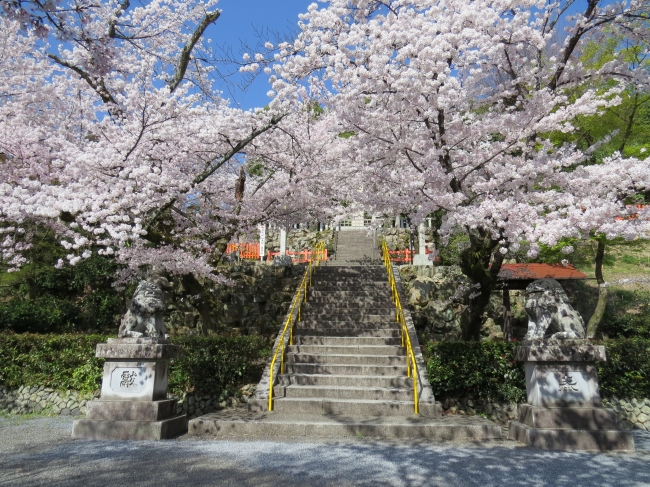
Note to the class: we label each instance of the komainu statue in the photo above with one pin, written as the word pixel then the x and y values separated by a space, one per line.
pixel 145 315
pixel 550 316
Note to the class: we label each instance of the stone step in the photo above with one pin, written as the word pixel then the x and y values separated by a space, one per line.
pixel 338 307
pixel 349 407
pixel 241 423
pixel 351 286
pixel 347 332
pixel 348 349
pixel 354 312
pixel 344 295
pixel 356 271
pixel 390 382
pixel 335 341
pixel 344 359
pixel 344 392
pixel 360 317
pixel 346 369
pixel 349 281
pixel 312 324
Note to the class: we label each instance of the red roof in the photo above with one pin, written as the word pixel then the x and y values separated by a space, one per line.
pixel 540 271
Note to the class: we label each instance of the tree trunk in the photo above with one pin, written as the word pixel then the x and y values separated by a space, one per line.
pixel 597 317
pixel 475 264
pixel 507 316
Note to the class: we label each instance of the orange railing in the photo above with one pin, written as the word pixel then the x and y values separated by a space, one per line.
pixel 301 256
pixel 246 250
pixel 403 256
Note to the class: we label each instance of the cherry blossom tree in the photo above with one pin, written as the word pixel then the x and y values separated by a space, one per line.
pixel 452 105
pixel 112 134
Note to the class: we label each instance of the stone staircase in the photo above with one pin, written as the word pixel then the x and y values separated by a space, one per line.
pixel 345 374
pixel 347 357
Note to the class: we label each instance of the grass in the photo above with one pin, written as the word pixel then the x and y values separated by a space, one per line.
pixel 628 304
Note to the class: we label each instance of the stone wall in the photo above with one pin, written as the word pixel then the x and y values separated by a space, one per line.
pixel 438 297
pixel 41 400
pixel 256 302
pixel 195 405
pixel 298 239
pixel 634 413
pixel 467 406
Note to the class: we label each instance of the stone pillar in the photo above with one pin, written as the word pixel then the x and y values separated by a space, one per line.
pixel 421 258
pixel 398 222
pixel 133 403
pixel 262 229
pixel 564 411
pixel 283 241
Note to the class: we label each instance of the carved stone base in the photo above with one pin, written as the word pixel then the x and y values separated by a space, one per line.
pixel 420 259
pixel 589 429
pixel 94 429
pixel 564 410
pixel 133 404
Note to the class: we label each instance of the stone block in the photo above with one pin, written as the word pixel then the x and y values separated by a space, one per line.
pixel 134 380
pixel 422 260
pixel 94 429
pixel 136 348
pixel 569 351
pixel 563 418
pixel 131 410
pixel 562 384
pixel 571 439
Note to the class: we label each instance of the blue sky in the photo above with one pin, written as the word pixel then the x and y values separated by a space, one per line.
pixel 238 23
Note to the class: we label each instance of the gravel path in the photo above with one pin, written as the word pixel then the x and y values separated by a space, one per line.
pixel 38 452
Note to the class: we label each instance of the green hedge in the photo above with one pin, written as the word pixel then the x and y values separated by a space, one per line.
pixel 488 370
pixel 207 365
pixel 626 373
pixel 218 365
pixel 479 369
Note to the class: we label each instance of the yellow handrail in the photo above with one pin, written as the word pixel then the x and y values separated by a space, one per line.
pixel 299 298
pixel 411 365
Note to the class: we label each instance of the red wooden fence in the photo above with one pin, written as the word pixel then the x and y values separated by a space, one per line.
pixel 246 250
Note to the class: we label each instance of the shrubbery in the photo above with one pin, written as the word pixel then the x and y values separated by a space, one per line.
pixel 206 365
pixel 479 369
pixel 626 373
pixel 217 365
pixel 43 299
pixel 488 370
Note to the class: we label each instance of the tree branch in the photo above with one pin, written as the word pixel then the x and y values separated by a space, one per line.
pixel 187 50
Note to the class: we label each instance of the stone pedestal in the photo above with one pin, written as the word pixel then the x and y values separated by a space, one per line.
pixel 564 411
pixel 133 403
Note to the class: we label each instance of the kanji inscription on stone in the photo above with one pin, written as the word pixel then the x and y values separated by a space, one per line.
pixel 128 379
pixel 567 384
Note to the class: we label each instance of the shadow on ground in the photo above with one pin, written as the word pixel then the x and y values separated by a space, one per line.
pixel 35 453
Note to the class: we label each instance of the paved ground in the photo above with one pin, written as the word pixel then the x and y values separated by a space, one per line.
pixel 38 452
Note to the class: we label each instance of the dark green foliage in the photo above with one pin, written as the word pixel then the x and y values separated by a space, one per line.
pixel 207 365
pixel 219 365
pixel 449 254
pixel 55 361
pixel 488 370
pixel 215 365
pixel 618 322
pixel 626 373
pixel 43 299
pixel 479 369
